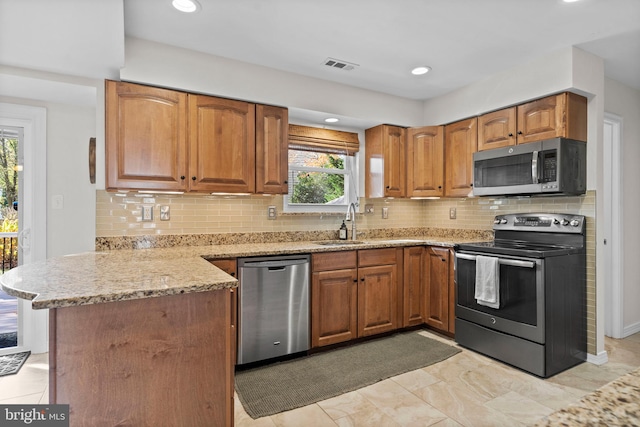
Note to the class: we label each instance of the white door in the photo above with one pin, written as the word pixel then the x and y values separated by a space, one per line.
pixel 31 123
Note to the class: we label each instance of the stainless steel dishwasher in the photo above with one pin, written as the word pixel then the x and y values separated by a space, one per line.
pixel 273 307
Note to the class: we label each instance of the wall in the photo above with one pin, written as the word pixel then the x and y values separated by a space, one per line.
pixel 625 102
pixel 71 229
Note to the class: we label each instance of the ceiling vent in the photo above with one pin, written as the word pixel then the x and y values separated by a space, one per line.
pixel 342 65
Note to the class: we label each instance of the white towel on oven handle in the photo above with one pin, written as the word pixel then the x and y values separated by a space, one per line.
pixel 487 290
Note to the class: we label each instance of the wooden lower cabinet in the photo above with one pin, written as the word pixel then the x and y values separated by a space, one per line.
pixel 414 297
pixel 152 361
pixel 334 306
pixel 354 294
pixel 437 287
pixel 230 266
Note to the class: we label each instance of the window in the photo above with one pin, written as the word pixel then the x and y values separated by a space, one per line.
pixel 321 178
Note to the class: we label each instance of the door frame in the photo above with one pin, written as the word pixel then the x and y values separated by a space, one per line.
pixel 613 236
pixel 33 324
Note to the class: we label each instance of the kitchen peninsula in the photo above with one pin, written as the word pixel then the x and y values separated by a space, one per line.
pixel 144 336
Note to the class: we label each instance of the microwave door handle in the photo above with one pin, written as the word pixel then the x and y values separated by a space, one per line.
pixel 534 167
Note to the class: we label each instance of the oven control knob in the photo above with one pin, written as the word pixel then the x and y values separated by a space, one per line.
pixel 574 223
pixel 565 222
pixel 556 221
pixel 503 221
pixel 496 221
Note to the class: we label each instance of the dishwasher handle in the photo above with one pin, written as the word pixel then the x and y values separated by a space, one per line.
pixel 275 264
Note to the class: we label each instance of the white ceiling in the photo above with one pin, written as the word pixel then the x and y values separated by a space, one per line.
pixel 462 40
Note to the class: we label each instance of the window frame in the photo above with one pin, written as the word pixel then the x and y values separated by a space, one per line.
pixel 350 173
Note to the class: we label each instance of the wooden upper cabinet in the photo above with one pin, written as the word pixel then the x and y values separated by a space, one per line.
pixel 385 170
pixel 222 144
pixel 562 115
pixel 461 140
pixel 425 161
pixel 497 129
pixel 272 165
pixel 146 146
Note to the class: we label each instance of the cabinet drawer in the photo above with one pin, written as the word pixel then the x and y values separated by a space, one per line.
pixel 372 257
pixel 333 261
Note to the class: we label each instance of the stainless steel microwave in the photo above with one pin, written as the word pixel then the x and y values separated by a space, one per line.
pixel 551 166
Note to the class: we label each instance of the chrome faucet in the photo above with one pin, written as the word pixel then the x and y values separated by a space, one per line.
pixel 352 217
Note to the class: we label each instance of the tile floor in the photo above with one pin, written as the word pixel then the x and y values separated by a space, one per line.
pixel 465 390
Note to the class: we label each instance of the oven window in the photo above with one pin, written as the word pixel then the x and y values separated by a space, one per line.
pixel 518 294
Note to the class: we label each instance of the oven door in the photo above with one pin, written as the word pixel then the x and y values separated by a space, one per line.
pixel 521 311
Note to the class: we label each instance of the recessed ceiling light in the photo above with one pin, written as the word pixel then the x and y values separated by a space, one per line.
pixel 418 71
pixel 186 6
pixel 331 120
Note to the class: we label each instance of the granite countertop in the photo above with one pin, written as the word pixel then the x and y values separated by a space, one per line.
pixel 126 274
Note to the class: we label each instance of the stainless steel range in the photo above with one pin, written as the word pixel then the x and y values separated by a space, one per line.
pixel 521 298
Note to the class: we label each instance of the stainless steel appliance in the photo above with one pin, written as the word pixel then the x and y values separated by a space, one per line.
pixel 539 324
pixel 552 166
pixel 273 307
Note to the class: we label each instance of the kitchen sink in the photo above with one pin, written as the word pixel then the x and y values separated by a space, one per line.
pixel 339 242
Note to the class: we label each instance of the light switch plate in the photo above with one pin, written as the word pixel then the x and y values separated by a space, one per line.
pixel 165 213
pixel 452 213
pixel 385 213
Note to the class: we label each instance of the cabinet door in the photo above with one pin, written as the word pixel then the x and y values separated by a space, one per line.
pixel 377 300
pixel 562 115
pixel 425 161
pixel 229 266
pixel 222 142
pixel 146 137
pixel 461 140
pixel 437 304
pixel 385 174
pixel 334 306
pixel 272 164
pixel 415 270
pixel 497 129
pixel 394 161
pixel 540 119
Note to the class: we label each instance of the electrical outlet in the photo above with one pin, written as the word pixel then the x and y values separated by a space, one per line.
pixel 147 213
pixel 57 201
pixel 271 212
pixel 368 209
pixel 452 213
pixel 385 213
pixel 165 213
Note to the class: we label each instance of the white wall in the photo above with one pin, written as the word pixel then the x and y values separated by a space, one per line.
pixel 163 65
pixel 625 102
pixel 71 229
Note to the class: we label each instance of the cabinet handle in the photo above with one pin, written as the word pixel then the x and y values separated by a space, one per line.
pixel 355 280
pixel 234 274
pixel 388 187
pixel 471 185
pixel 193 178
pixel 510 135
pixel 286 182
pixel 362 280
pixel 439 187
pixel 519 132
pixel 182 177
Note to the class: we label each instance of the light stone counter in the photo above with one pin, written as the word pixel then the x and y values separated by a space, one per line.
pixel 129 274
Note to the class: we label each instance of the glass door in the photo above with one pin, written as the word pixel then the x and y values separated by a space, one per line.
pixel 10 168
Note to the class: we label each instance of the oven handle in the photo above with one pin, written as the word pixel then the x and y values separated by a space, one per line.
pixel 502 261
